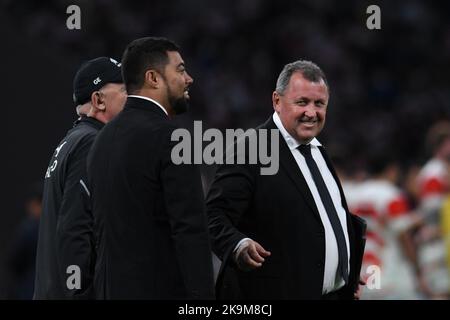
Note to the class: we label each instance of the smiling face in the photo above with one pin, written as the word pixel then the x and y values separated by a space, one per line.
pixel 302 107
pixel 178 82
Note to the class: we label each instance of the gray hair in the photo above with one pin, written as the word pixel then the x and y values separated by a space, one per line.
pixel 309 70
pixel 81 112
pixel 79 109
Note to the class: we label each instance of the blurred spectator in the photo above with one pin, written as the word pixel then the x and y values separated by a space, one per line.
pixel 445 224
pixel 408 182
pixel 21 260
pixel 389 246
pixel 433 186
pixel 433 179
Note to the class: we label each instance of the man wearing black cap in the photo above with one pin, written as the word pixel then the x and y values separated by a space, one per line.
pixel 65 256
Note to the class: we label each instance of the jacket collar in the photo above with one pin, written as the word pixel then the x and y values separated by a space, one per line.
pixel 92 122
pixel 142 103
pixel 288 162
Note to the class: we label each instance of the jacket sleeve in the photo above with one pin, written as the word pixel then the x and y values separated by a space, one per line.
pixel 74 230
pixel 227 201
pixel 183 199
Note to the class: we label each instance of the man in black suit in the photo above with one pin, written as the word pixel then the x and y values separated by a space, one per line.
pixel 287 235
pixel 150 223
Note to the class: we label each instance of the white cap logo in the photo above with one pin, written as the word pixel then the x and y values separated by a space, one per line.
pixel 115 62
pixel 97 80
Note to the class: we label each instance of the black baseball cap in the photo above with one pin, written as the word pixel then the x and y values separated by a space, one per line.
pixel 93 75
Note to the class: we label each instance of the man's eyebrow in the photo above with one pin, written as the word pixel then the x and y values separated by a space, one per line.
pixel 181 64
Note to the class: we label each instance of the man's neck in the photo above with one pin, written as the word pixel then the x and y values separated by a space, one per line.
pixel 99 116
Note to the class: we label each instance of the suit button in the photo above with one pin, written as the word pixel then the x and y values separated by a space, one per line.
pixel 320 264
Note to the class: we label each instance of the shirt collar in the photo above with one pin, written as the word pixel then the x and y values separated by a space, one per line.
pixel 291 142
pixel 149 99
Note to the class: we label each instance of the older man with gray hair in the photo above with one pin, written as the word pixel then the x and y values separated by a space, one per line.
pixel 66 248
pixel 288 235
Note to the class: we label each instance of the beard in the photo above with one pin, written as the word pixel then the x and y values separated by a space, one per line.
pixel 179 104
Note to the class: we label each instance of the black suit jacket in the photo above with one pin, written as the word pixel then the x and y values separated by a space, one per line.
pixel 150 223
pixel 279 212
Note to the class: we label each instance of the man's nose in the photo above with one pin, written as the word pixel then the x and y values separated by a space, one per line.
pixel 189 79
pixel 310 110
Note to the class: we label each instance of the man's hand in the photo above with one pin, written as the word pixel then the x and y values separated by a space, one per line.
pixel 250 255
pixel 357 294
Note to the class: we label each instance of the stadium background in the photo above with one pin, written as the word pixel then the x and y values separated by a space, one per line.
pixel 388 86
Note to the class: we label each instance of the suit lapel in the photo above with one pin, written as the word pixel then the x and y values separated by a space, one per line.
pixel 295 174
pixel 289 164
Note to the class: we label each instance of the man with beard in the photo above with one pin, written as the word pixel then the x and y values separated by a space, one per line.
pixel 149 213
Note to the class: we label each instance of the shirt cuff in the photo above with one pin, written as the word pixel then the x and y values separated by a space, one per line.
pixel 238 248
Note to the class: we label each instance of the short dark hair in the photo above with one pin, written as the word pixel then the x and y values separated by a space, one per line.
pixel 308 69
pixel 144 54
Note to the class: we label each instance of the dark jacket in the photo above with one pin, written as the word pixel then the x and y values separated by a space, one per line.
pixel 65 232
pixel 149 213
pixel 278 211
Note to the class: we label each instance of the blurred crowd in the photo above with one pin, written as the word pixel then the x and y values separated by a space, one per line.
pixel 385 84
pixel 390 100
pixel 408 219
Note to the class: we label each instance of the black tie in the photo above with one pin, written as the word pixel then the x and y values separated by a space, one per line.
pixel 330 209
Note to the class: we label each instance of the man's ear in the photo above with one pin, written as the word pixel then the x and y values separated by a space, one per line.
pixel 153 79
pixel 276 101
pixel 98 101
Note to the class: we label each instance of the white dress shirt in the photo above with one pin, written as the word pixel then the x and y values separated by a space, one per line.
pixel 330 281
pixel 149 99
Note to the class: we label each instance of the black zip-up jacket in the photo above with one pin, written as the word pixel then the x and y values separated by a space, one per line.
pixel 65 254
